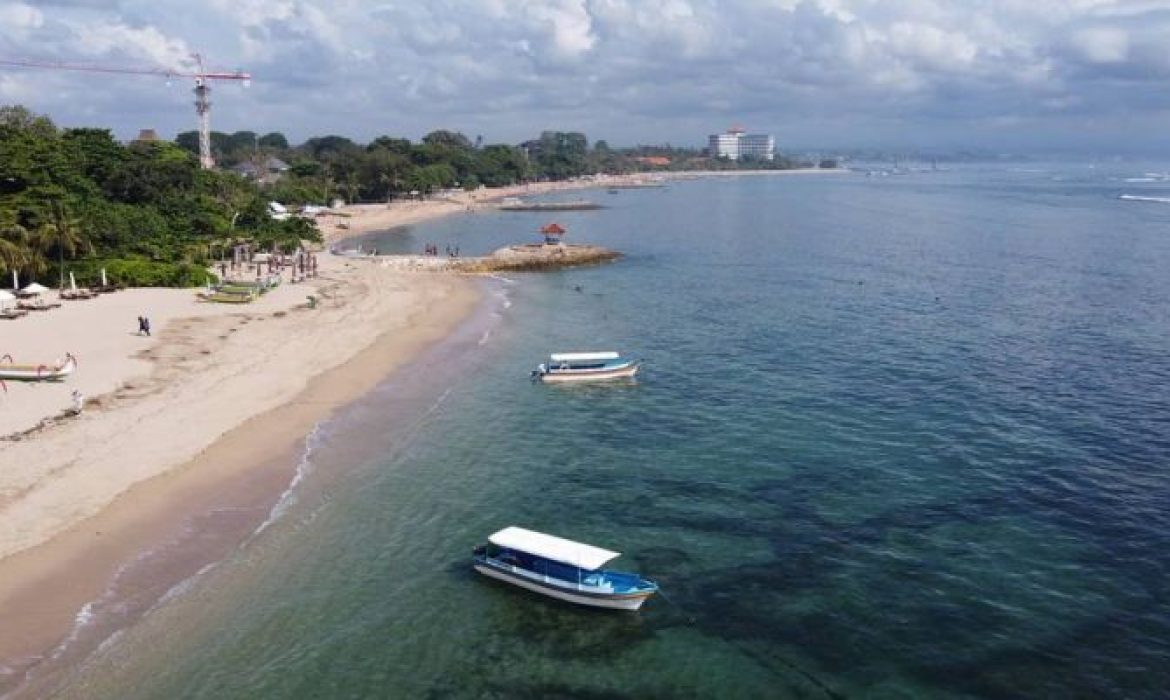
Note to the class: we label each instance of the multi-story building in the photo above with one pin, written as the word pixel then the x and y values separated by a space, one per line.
pixel 724 145
pixel 737 145
pixel 757 147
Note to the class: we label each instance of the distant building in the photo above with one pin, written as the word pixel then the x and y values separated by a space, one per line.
pixel 269 171
pixel 734 144
pixel 532 149
pixel 146 135
pixel 725 145
pixel 654 161
pixel 757 147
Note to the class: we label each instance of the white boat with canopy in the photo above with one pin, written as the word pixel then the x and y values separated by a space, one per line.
pixel 561 569
pixel 585 366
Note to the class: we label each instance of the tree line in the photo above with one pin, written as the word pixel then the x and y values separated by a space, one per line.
pixel 73 199
pixel 77 199
pixel 325 168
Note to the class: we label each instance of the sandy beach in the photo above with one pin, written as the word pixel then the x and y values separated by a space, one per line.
pixel 210 408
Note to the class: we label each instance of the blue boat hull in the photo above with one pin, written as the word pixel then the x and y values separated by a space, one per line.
pixel 571 592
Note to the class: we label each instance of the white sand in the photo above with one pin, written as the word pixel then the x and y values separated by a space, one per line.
pixel 159 401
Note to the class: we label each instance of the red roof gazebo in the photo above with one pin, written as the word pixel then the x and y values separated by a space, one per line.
pixel 552 233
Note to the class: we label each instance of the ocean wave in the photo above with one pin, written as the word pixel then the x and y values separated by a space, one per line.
pixel 1143 198
pixel 288 497
pixel 181 587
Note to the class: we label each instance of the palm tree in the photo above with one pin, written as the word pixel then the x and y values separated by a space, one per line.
pixel 15 253
pixel 62 235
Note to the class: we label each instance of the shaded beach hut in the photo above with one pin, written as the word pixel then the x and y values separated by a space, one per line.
pixel 552 233
pixel 32 290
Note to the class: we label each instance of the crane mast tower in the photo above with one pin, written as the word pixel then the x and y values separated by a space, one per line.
pixel 202 89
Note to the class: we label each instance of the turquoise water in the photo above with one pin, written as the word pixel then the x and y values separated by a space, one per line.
pixel 895 437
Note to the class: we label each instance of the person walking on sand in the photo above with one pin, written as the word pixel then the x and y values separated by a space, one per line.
pixel 143 326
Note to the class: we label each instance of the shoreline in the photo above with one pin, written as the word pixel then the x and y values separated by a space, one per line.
pixel 74 519
pixel 206 417
pixel 356 220
pixel 245 471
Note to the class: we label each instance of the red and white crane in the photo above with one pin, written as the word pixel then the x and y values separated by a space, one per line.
pixel 202 89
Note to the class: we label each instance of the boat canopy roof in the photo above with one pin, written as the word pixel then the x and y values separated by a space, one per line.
pixel 582 556
pixel 582 356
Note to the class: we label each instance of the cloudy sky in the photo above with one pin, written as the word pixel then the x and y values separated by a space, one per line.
pixel 1088 75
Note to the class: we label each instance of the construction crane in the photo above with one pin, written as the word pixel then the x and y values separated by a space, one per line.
pixel 202 89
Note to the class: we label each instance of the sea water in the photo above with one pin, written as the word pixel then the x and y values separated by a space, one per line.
pixel 902 436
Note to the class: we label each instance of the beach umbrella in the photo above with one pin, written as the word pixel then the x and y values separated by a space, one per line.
pixel 104 282
pixel 35 288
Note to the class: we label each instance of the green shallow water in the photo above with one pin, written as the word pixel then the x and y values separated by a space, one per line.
pixel 904 437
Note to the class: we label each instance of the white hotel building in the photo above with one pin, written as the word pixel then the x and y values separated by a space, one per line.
pixel 736 145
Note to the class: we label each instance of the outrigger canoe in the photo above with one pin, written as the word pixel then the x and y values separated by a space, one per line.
pixel 37 373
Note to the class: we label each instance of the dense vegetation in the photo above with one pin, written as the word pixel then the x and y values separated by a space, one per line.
pixel 75 197
pixel 328 167
pixel 76 200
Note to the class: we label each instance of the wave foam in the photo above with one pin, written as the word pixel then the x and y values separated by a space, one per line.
pixel 288 497
pixel 1142 198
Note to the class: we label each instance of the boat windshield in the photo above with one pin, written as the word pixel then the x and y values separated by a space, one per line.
pixel 579 365
pixel 614 581
pixel 540 565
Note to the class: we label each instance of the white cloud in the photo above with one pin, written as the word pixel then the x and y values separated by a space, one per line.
pixel 147 43
pixel 19 16
pixel 1101 44
pixel 627 70
pixel 566 25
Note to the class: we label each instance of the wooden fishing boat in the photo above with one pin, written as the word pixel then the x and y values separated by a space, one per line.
pixel 37 373
pixel 585 367
pixel 561 569
pixel 261 284
pixel 230 297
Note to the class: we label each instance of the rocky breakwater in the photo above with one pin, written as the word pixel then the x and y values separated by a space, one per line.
pixel 536 257
pixel 516 258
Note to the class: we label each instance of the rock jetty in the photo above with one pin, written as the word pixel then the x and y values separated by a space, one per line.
pixel 535 257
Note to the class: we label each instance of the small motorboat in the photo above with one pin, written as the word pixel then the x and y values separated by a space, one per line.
pixel 561 569
pixel 585 366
